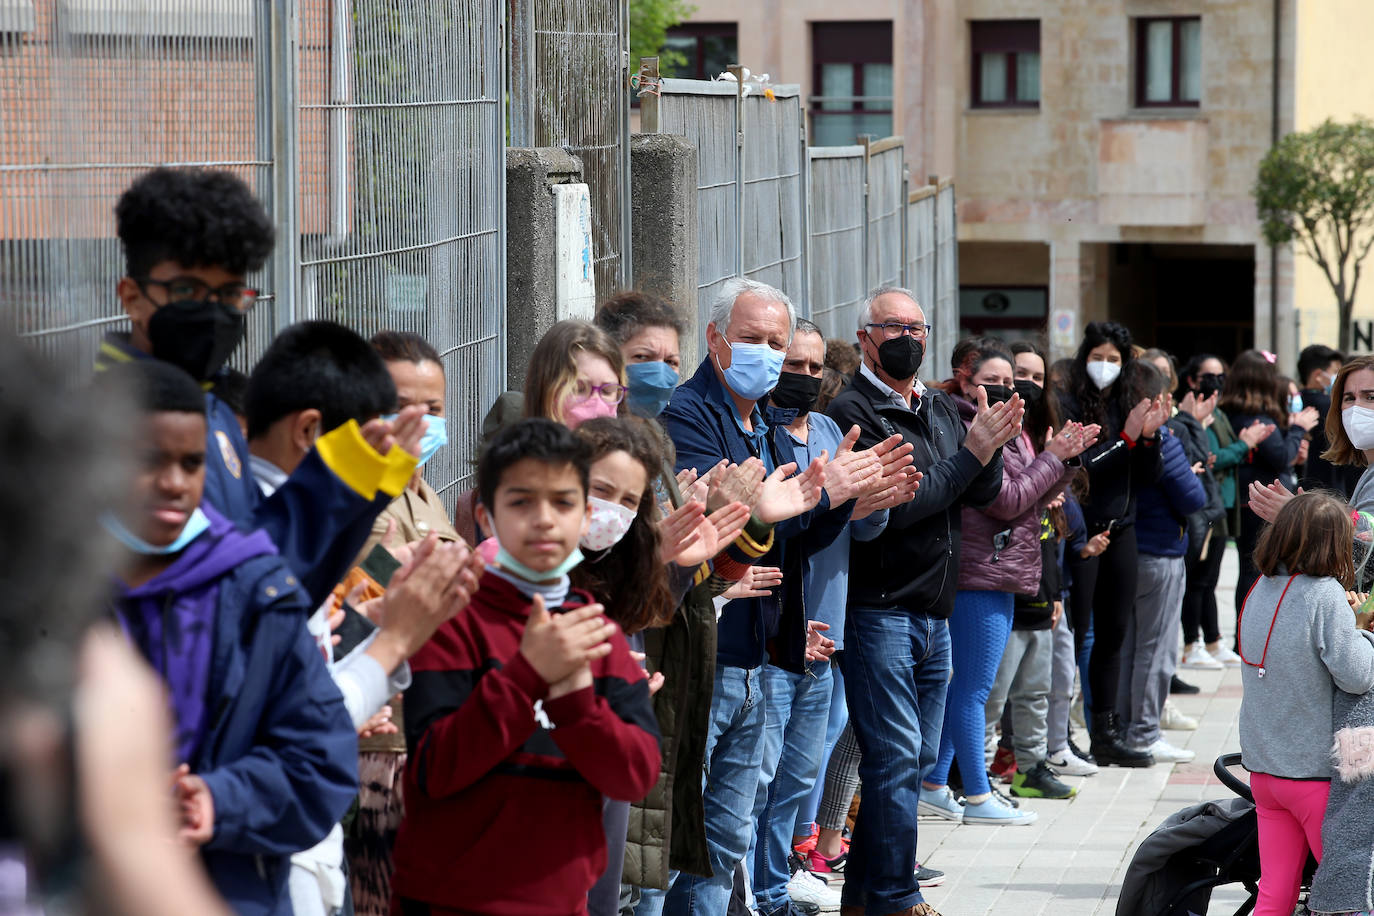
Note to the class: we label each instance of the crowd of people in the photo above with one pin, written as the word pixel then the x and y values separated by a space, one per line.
pixel 695 641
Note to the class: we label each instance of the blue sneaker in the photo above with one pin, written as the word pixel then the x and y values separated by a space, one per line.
pixel 992 811
pixel 941 803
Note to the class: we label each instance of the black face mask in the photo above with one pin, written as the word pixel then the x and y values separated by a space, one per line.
pixel 900 357
pixel 1210 384
pixel 796 391
pixel 198 336
pixel 1030 392
pixel 997 394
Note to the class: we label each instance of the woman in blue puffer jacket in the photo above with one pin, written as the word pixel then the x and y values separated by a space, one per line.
pixel 1000 557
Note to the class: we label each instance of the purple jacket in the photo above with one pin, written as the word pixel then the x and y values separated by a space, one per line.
pixel 1029 481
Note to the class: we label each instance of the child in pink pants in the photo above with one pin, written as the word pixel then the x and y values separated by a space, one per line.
pixel 1299 644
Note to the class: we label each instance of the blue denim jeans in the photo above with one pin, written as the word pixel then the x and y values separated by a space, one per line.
pixel 896 672
pixel 734 754
pixel 839 718
pixel 793 738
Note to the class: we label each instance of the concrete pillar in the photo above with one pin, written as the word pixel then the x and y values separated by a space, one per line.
pixel 1285 319
pixel 1066 297
pixel 530 246
pixel 663 228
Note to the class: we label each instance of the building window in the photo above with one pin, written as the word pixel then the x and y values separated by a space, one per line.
pixel 709 47
pixel 852 80
pixel 1168 61
pixel 1006 63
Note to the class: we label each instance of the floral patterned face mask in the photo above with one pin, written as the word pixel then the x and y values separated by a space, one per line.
pixel 609 523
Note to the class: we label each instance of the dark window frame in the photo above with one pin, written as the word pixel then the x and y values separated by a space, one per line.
pixel 1142 31
pixel 700 32
pixel 1011 37
pixel 855 43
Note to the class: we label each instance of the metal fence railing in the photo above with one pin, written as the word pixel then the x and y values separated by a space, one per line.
pixel 773 215
pixel 886 209
pixel 372 130
pixel 838 230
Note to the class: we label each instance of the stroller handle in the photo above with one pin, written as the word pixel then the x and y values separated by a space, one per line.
pixel 1222 769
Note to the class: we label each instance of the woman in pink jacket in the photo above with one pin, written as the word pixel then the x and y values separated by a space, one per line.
pixel 999 558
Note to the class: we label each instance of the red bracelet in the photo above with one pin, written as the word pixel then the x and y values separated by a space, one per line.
pixel 1130 443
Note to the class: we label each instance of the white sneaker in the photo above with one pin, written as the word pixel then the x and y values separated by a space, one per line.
pixel 1174 720
pixel 805 887
pixel 1164 752
pixel 1197 656
pixel 1067 763
pixel 1225 656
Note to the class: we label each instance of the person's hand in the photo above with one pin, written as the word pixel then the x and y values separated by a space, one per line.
pixel 1211 460
pixel 1157 415
pixel 679 531
pixel 736 483
pixel 196 806
pixel 655 680
pixel 993 426
pixel 850 474
pixel 379 724
pixel 558 645
pixel 1096 545
pixel 781 497
pixel 1058 613
pixel 580 679
pixel 1135 420
pixel 1267 501
pixel 712 534
pixel 819 647
pixel 438 583
pixel 1355 599
pixel 1073 440
pixel 1255 433
pixel 406 431
pixel 1306 418
pixel 1198 468
pixel 903 491
pixel 757 582
pixel 729 523
pixel 1304 447
pixel 1057 501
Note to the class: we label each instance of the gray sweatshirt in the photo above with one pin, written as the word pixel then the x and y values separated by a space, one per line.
pixel 1286 725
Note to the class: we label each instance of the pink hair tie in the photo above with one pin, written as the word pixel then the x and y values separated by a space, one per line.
pixel 1270 358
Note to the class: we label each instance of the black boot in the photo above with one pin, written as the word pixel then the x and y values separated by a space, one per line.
pixel 1108 747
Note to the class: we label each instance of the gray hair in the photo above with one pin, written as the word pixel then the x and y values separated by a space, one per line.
pixel 866 307
pixel 723 309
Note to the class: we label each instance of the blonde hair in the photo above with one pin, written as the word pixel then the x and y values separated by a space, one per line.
pixel 552 372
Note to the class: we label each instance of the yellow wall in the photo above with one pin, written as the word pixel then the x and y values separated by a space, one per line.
pixel 1333 80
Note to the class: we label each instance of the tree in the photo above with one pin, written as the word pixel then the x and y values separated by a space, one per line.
pixel 650 21
pixel 1316 189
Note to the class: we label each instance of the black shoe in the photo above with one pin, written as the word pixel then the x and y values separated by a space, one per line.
pixel 1080 753
pixel 1041 782
pixel 1108 747
pixel 1177 685
pixel 998 793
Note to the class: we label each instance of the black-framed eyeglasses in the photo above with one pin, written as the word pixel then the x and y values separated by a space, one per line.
pixel 893 329
pixel 178 289
pixel 610 392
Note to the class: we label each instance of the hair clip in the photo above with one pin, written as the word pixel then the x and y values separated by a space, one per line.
pixel 1270 358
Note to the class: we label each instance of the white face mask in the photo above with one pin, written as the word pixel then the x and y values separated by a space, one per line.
pixel 609 523
pixel 1359 426
pixel 1102 372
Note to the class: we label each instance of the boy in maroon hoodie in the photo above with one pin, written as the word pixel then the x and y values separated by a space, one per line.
pixel 525 711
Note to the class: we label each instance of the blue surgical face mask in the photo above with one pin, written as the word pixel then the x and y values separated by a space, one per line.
pixel 754 369
pixel 504 558
pixel 435 437
pixel 651 387
pixel 195 526
pixel 1295 403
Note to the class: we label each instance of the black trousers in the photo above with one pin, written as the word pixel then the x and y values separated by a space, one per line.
pixel 1104 593
pixel 1250 527
pixel 1200 594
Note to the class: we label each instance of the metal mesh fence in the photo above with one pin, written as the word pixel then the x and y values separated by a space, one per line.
pixel 946 273
pixel 570 90
pixel 773 231
pixel 885 211
pixel 836 264
pixel 920 269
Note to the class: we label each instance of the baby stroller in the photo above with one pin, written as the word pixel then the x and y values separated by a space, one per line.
pixel 1196 850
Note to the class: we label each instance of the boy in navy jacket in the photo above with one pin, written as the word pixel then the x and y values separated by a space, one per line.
pixel 266 751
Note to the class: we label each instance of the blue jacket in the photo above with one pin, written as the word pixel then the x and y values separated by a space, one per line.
pixel 1163 507
pixel 279 752
pixel 702 423
pixel 318 520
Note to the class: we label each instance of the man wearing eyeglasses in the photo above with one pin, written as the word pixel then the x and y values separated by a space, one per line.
pixel 190 239
pixel 901 591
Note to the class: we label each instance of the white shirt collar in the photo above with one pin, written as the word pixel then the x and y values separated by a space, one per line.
pixel 918 390
pixel 268 476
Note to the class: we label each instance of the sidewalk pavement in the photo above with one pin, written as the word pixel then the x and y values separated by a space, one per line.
pixel 1071 861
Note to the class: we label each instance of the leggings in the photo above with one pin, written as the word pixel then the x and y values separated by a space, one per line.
pixel 1200 594
pixel 978 633
pixel 841 781
pixel 1290 813
pixel 1104 593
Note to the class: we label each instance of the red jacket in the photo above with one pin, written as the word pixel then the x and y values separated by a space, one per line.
pixel 504 788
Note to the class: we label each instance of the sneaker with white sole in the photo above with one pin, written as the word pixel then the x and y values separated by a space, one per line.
pixel 1164 752
pixel 993 812
pixel 941 803
pixel 1196 656
pixel 1175 720
pixel 1067 763
pixel 1224 655
pixel 805 887
pixel 929 877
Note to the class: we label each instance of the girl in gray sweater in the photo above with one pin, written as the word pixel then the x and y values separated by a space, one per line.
pixel 1300 644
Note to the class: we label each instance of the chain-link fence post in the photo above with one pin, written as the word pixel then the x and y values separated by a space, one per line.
pixel 285 180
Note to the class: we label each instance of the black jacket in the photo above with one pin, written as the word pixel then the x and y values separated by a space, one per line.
pixel 1116 470
pixel 914 563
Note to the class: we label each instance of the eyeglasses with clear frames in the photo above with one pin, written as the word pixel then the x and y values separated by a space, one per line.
pixel 610 392
pixel 894 329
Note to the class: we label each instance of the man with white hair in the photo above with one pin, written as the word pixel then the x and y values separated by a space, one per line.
pixel 901 591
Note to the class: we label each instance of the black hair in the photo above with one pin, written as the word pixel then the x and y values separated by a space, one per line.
pixel 196 217
pixel 323 366
pixel 1314 357
pixel 1043 414
pixel 1193 368
pixel 1091 400
pixel 1143 380
pixel 538 438
pixel 405 347
pixel 159 387
pixel 626 314
pixel 231 387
